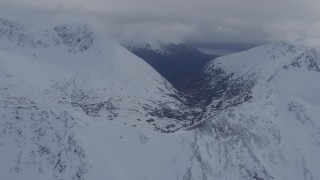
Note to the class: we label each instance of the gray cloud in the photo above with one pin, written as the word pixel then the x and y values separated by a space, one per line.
pixel 296 31
pixel 221 24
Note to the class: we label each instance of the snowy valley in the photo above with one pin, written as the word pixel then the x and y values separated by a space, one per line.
pixel 76 105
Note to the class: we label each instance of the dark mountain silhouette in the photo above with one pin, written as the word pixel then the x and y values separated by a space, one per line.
pixel 172 61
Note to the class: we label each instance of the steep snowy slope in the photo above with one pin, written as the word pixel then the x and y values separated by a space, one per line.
pixel 77 67
pixel 65 93
pixel 251 74
pixel 264 115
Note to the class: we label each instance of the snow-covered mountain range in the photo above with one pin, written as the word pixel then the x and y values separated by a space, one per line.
pixel 76 105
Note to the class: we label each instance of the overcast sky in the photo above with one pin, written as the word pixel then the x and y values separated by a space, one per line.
pixel 221 24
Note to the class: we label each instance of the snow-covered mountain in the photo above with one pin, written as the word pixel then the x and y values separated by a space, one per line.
pixel 263 114
pixel 69 97
pixel 56 82
pixel 79 68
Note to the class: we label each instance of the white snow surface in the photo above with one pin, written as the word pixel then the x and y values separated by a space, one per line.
pixel 66 91
pixel 279 126
pixel 79 67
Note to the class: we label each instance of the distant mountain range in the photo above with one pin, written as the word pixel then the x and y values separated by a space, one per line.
pixel 174 61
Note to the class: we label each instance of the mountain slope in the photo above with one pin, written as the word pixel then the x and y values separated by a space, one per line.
pixel 65 88
pixel 82 69
pixel 263 120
